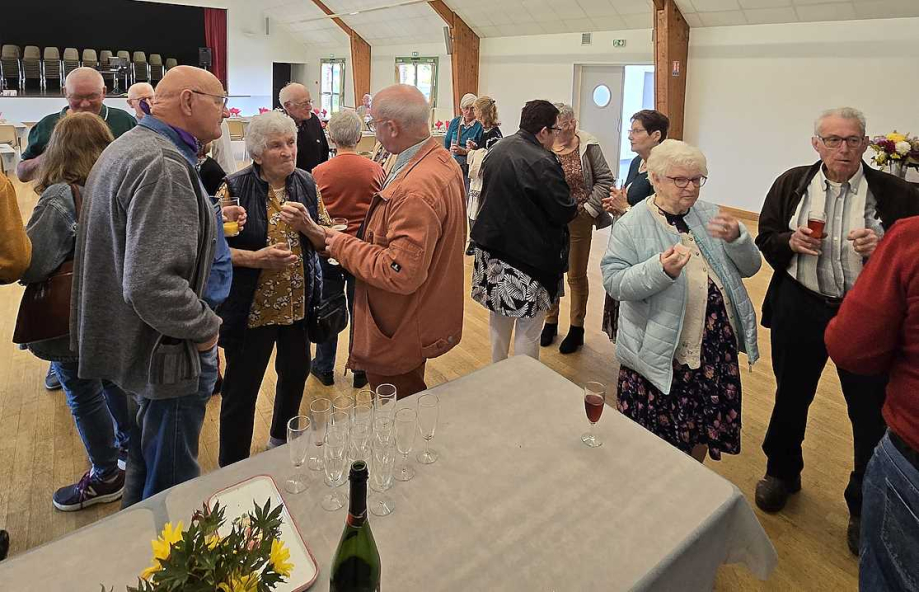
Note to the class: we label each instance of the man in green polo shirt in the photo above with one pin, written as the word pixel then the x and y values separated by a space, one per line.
pixel 85 91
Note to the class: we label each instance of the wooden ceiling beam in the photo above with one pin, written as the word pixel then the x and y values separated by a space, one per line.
pixel 671 50
pixel 465 57
pixel 360 55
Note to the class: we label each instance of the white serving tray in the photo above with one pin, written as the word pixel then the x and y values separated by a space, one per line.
pixel 240 499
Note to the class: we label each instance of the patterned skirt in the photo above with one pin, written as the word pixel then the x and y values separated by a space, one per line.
pixel 703 406
pixel 505 290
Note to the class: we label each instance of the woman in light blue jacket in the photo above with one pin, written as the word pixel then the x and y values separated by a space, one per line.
pixel 676 264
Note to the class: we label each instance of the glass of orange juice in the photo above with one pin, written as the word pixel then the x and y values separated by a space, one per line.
pixel 230 218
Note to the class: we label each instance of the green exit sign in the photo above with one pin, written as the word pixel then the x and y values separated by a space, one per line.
pixel 618 42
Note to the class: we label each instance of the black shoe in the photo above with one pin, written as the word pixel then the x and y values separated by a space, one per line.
pixel 218 385
pixel 854 533
pixel 4 544
pixel 326 378
pixel 360 379
pixel 549 331
pixel 470 249
pixel 573 341
pixel 772 493
pixel 52 382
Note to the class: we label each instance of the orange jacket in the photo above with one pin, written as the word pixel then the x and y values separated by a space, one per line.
pixel 408 261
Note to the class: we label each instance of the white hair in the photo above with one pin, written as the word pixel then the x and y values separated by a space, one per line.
pixel 671 153
pixel 409 114
pixel 284 94
pixel 266 126
pixel 345 128
pixel 140 88
pixel 84 72
pixel 565 111
pixel 468 100
pixel 844 113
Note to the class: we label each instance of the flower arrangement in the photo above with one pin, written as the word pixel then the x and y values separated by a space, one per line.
pixel 263 110
pixel 438 124
pixel 895 147
pixel 324 112
pixel 251 558
pixel 234 112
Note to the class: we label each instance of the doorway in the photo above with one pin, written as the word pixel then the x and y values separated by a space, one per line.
pixel 280 76
pixel 600 108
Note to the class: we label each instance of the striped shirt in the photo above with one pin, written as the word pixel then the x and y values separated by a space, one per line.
pixel 835 273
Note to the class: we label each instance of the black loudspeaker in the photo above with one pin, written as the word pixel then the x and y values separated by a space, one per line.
pixel 204 57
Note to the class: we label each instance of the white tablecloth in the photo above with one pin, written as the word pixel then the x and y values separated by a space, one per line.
pixel 515 502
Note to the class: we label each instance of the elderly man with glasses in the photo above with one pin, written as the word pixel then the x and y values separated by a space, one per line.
pixel 312 145
pixel 85 91
pixel 818 227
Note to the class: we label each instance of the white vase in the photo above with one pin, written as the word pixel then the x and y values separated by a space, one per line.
pixel 897 168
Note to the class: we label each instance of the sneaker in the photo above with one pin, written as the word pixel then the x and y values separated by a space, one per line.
pixel 326 378
pixel 88 491
pixel 122 458
pixel 52 382
pixel 360 379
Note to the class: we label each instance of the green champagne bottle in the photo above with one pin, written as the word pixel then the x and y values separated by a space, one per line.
pixel 356 565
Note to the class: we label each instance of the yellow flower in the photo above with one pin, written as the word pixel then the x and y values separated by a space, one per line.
pixel 881 158
pixel 212 541
pixel 896 137
pixel 279 558
pixel 248 583
pixel 162 547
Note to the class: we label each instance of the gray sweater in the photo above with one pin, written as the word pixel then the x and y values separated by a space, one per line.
pixel 145 246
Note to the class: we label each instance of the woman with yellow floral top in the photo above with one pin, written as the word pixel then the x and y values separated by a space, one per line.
pixel 276 279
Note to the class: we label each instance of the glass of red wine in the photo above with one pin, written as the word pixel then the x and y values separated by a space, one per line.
pixel 594 401
pixel 816 221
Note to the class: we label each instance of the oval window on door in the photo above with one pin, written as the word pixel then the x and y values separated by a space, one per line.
pixel 602 96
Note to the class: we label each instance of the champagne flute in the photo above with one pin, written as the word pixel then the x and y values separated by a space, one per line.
pixel 298 440
pixel 406 427
pixel 384 429
pixel 334 460
pixel 361 433
pixel 385 400
pixel 341 225
pixel 320 412
pixel 594 400
pixel 364 397
pixel 381 478
pixel 428 410
pixel 343 404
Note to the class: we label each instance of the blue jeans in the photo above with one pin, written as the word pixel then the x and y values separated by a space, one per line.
pixel 889 557
pixel 164 438
pixel 100 411
pixel 334 280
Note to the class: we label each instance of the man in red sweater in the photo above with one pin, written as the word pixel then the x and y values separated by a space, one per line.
pixel 877 332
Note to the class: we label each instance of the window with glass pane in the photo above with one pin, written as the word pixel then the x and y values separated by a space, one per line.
pixel 420 73
pixel 332 85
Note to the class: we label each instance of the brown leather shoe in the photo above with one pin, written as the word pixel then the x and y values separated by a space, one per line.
pixel 772 493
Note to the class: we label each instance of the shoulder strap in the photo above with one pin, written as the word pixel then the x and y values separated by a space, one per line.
pixel 77 199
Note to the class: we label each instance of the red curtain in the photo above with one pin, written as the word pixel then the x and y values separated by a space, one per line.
pixel 215 35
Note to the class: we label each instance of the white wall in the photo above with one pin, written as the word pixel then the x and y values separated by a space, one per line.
pixel 383 70
pixel 250 52
pixel 754 91
pixel 514 70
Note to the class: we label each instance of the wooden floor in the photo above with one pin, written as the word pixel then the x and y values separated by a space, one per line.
pixel 40 449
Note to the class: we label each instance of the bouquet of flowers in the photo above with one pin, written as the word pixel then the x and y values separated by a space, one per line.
pixel 895 148
pixel 251 558
pixel 234 112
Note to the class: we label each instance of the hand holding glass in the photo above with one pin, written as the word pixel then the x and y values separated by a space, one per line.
pixel 231 213
pixel 341 225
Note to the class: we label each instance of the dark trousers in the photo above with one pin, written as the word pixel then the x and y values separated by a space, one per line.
pixel 799 319
pixel 246 366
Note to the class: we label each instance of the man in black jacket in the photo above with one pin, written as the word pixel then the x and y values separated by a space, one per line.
pixel 312 145
pixel 812 275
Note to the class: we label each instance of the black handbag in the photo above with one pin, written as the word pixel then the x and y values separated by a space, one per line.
pixel 328 318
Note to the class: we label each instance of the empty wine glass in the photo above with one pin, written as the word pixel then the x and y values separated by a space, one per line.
pixel 361 434
pixel 406 428
pixel 298 441
pixel 342 418
pixel 381 478
pixel 364 397
pixel 343 404
pixel 428 409
pixel 385 400
pixel 362 414
pixel 384 429
pixel 594 401
pixel 320 410
pixel 341 225
pixel 334 460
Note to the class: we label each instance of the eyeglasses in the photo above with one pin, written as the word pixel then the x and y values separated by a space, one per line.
pixel 683 182
pixel 555 129
pixel 223 98
pixel 302 104
pixel 836 141
pixel 634 131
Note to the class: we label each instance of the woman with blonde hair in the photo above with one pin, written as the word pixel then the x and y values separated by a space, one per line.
pixel 99 407
pixel 486 112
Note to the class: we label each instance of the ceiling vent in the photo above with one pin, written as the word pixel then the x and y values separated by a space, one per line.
pixel 586 39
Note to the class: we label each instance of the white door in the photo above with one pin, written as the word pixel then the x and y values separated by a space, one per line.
pixel 600 108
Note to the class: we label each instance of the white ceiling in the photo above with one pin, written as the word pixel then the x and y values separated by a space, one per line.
pixel 419 23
